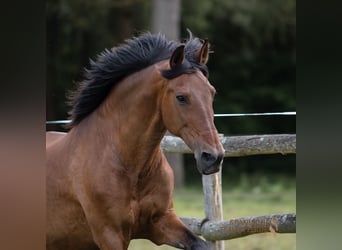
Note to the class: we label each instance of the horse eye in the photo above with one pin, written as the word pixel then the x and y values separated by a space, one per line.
pixel 181 99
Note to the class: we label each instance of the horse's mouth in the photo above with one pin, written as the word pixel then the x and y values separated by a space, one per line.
pixel 212 169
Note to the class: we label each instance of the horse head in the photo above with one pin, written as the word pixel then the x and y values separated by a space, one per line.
pixel 187 109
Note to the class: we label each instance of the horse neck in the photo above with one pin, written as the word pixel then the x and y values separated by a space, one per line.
pixel 130 119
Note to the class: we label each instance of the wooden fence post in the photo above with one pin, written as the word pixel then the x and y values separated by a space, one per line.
pixel 212 190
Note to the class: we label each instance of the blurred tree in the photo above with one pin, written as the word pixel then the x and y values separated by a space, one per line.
pixel 78 30
pixel 166 18
pixel 254 67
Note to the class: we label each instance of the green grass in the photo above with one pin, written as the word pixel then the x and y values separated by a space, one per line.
pixel 265 197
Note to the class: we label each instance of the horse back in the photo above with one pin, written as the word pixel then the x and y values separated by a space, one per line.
pixel 53 136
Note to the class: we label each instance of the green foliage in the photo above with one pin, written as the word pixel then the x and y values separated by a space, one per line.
pixel 78 30
pixel 253 65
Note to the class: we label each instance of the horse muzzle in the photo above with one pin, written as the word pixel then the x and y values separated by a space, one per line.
pixel 208 163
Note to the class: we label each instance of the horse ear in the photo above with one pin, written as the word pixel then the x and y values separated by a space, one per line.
pixel 202 55
pixel 177 57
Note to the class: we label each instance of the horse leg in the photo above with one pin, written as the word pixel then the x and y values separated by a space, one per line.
pixel 170 230
pixel 105 234
pixel 109 239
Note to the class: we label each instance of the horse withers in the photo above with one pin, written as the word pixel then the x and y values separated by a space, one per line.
pixel 107 179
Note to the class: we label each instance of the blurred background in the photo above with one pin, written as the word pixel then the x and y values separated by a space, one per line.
pixel 253 69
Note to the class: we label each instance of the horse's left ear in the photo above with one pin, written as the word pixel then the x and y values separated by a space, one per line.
pixel 177 57
pixel 202 55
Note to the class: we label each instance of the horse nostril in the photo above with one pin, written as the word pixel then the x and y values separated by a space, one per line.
pixel 208 158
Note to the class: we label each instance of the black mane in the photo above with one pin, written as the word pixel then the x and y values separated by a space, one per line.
pixel 113 65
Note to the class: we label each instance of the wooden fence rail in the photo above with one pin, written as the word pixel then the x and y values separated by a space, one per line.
pixel 241 145
pixel 213 228
pixel 239 227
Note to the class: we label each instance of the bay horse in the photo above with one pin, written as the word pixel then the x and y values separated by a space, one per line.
pixel 108 180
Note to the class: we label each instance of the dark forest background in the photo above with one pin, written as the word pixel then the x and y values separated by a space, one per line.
pixel 253 66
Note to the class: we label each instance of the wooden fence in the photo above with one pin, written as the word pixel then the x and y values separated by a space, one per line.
pixel 213 228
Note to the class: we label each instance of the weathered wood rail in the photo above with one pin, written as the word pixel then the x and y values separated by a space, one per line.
pixel 213 228
pixel 239 227
pixel 241 145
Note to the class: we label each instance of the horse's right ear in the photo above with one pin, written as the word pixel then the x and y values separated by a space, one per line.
pixel 202 55
pixel 177 57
